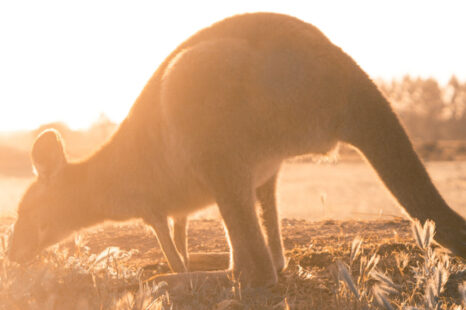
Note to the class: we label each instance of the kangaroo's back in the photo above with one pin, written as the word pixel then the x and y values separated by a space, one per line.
pixel 286 81
pixel 259 30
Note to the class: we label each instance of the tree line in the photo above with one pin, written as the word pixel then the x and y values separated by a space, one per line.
pixel 428 110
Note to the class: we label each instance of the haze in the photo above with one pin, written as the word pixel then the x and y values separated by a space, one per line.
pixel 74 61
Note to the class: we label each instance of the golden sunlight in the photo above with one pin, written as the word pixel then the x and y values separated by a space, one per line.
pixel 261 167
pixel 72 62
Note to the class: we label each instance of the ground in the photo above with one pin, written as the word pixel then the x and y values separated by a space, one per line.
pixel 311 280
pixel 328 211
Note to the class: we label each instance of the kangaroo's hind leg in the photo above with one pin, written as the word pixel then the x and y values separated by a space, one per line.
pixel 232 186
pixel 266 194
pixel 270 222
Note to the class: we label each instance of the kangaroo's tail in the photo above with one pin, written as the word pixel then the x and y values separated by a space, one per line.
pixel 374 129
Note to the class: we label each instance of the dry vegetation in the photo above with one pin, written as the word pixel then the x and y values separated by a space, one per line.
pixel 332 265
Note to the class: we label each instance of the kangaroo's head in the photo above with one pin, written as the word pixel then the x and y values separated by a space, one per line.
pixel 42 215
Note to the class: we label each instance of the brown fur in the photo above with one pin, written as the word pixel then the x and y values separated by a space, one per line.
pixel 213 124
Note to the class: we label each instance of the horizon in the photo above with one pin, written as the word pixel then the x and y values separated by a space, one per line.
pixel 72 63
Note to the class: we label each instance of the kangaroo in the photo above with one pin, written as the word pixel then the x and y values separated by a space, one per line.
pixel 213 125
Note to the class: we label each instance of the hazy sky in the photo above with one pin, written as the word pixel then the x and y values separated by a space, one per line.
pixel 73 60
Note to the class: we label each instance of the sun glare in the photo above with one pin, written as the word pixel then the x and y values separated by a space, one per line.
pixel 71 62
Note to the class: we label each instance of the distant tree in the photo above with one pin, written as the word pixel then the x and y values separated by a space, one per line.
pixel 103 127
pixel 429 111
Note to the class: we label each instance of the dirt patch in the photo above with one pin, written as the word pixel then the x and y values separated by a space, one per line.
pixel 315 252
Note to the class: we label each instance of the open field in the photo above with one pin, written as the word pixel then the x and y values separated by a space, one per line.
pixel 345 190
pixel 101 268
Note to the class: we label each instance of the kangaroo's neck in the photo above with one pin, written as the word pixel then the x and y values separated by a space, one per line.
pixel 127 176
pixel 115 180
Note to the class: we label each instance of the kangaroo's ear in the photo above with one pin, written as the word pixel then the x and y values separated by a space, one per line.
pixel 48 155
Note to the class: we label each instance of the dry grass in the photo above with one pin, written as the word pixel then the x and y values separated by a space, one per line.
pixel 336 270
pixel 421 281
